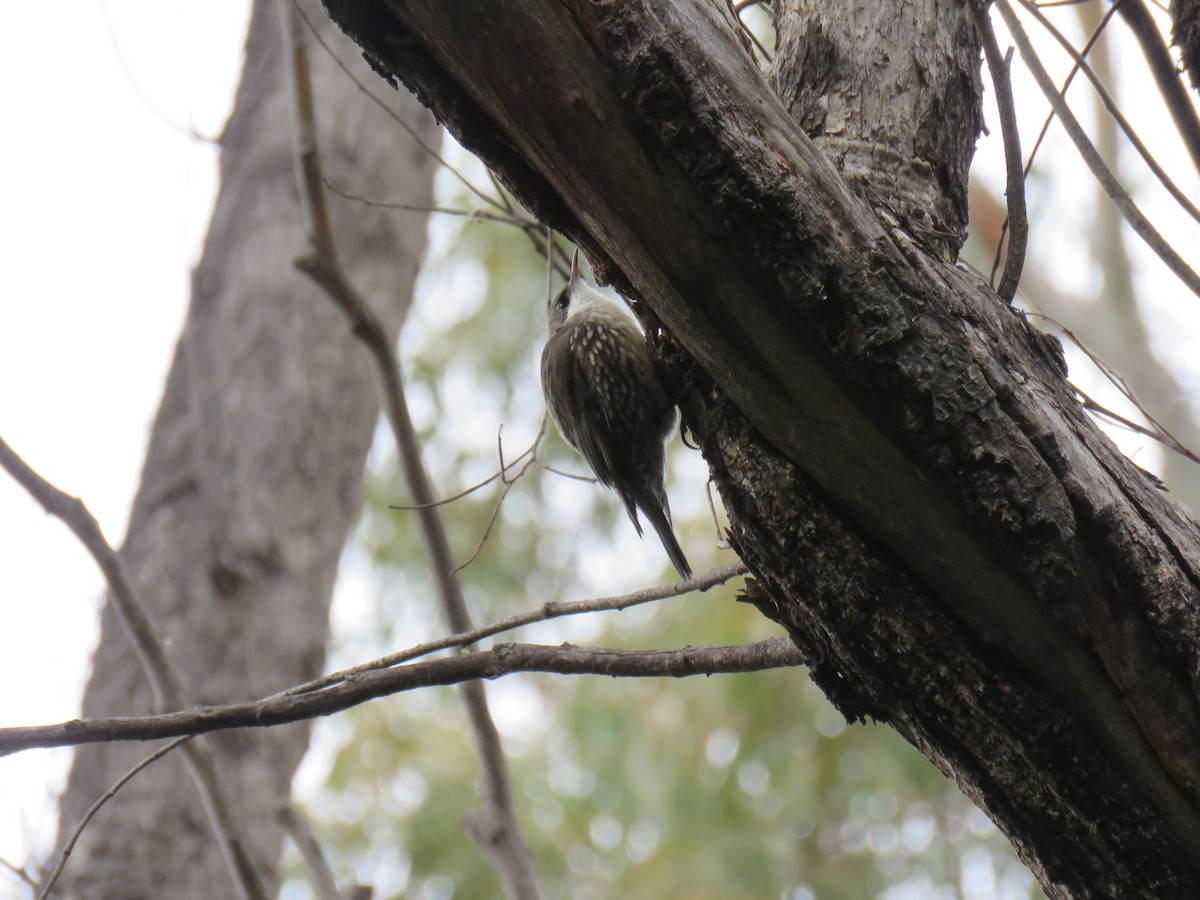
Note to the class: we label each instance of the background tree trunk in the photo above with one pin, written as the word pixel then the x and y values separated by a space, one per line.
pixel 252 477
pixel 958 549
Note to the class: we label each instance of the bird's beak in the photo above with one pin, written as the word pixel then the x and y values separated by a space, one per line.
pixel 575 266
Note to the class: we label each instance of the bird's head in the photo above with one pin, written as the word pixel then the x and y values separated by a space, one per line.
pixel 576 296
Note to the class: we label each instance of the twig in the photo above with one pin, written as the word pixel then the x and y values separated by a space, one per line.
pixel 1134 216
pixel 1113 110
pixel 549 610
pixel 319 871
pixel 399 120
pixel 501 473
pixel 1087 48
pixel 1156 431
pixel 149 648
pixel 20 872
pixel 527 225
pixel 590 479
pixel 502 660
pixel 505 843
pixel 737 14
pixel 76 516
pixel 487 530
pixel 515 219
pixel 95 808
pixel 508 486
pixel 466 491
pixel 1018 220
pixel 1166 76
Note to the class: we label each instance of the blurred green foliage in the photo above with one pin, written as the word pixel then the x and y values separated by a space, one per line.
pixel 723 787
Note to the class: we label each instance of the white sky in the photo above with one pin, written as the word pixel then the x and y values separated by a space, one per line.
pixel 105 205
pixel 104 209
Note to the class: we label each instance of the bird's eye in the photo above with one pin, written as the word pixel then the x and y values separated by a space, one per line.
pixel 562 301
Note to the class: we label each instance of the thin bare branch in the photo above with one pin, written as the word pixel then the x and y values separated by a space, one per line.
pixel 188 131
pixel 564 474
pixel 550 610
pixel 737 9
pixel 399 120
pixel 1087 48
pixel 1113 110
pixel 508 486
pixel 1018 220
pixel 501 473
pixel 502 660
pixel 515 220
pixel 149 648
pixel 722 540
pixel 20 872
pixel 506 846
pixel 320 874
pixel 1134 216
pixel 1156 431
pixel 466 491
pixel 487 530
pixel 1166 75
pixel 95 808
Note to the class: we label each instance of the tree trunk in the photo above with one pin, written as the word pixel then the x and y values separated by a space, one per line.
pixel 955 545
pixel 1185 33
pixel 252 477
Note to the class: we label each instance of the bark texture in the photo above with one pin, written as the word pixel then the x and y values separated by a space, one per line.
pixel 252 476
pixel 900 126
pixel 1185 32
pixel 953 543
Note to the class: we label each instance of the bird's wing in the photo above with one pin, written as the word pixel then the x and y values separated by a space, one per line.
pixel 583 402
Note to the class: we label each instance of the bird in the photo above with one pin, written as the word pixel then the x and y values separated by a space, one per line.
pixel 603 390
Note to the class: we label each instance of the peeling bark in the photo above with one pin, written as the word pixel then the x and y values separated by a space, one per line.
pixel 958 548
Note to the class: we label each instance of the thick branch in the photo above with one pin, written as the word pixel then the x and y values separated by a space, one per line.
pixel 503 659
pixel 933 428
pixel 552 609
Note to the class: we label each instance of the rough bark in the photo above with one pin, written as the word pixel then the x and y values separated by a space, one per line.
pixel 1185 32
pixel 955 545
pixel 252 476
pixel 901 131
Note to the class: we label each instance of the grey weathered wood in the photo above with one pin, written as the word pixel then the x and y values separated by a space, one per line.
pixel 956 546
pixel 252 477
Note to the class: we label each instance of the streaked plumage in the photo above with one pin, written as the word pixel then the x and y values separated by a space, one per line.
pixel 604 393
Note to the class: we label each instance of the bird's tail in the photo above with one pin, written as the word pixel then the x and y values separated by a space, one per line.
pixel 660 517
